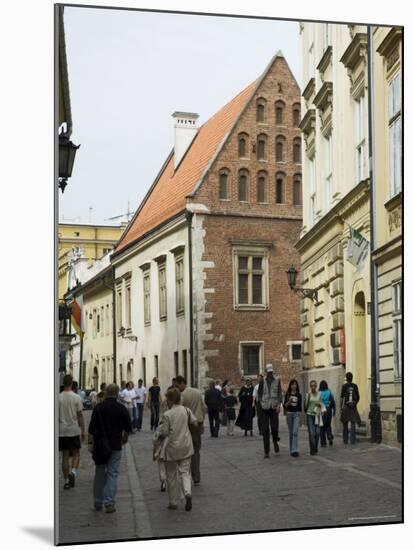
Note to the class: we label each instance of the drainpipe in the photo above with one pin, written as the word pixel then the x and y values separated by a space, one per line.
pixel 375 412
pixel 194 374
pixel 114 322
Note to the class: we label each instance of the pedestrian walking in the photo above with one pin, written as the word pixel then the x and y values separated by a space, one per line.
pixel 313 409
pixel 224 393
pixel 71 431
pixel 141 395
pixel 110 425
pixel 192 399
pixel 293 406
pixel 246 412
pixel 154 402
pixel 93 396
pixel 101 395
pixel 230 402
pixel 329 401
pixel 257 404
pixel 172 384
pixel 349 411
pixel 178 449
pixel 127 398
pixel 213 401
pixel 269 395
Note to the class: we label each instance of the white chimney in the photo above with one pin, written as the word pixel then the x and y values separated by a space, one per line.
pixel 185 128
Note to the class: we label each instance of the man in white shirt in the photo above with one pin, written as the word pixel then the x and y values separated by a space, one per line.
pixel 71 430
pixel 141 395
pixel 127 397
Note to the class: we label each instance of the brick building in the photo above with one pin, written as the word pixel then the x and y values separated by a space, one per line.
pixel 201 269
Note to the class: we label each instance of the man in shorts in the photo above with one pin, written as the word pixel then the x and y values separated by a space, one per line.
pixel 71 430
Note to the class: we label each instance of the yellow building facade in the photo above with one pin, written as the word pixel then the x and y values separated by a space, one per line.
pixel 87 241
pixel 387 256
pixel 336 192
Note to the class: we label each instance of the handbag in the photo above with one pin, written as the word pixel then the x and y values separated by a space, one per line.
pixel 102 450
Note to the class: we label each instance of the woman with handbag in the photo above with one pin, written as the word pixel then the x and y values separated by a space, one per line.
pixel 314 409
pixel 330 405
pixel 178 449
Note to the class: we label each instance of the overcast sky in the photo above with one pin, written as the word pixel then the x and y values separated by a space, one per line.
pixel 129 71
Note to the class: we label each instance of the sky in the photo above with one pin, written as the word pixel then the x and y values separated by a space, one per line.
pixel 129 71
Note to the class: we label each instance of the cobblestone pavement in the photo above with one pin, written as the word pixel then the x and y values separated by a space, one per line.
pixel 240 491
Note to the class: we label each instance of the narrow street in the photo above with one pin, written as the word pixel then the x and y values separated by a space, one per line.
pixel 239 490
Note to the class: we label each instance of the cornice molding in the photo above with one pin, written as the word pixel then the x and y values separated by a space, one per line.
pixel 309 89
pixel 307 124
pixel 325 60
pixel 357 48
pixel 392 39
pixel 324 96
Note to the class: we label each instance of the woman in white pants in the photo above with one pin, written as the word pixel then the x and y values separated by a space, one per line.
pixel 178 449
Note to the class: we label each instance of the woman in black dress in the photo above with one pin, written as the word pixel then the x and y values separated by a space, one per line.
pixel 246 412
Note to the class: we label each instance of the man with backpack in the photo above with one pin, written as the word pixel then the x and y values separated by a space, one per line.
pixel 269 395
pixel 349 411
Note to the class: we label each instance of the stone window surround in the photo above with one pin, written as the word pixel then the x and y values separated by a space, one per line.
pixel 246 343
pixel 242 248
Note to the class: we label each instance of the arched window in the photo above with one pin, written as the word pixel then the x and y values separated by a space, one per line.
pixel 296 114
pixel 297 190
pixel 243 182
pixel 296 151
pixel 243 140
pixel 280 148
pixel 279 112
pixel 260 110
pixel 261 146
pixel 224 184
pixel 261 187
pixel 280 188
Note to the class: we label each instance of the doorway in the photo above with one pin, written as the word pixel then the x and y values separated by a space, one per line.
pixel 360 367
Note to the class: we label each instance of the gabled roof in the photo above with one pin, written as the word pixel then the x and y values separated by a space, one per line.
pixel 167 195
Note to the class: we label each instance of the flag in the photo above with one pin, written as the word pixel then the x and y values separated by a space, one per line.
pixel 357 249
pixel 77 314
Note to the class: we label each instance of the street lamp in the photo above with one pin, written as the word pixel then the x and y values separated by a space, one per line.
pixel 67 153
pixel 306 292
pixel 122 334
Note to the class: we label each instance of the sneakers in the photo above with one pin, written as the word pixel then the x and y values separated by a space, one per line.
pixel 72 479
pixel 294 454
pixel 276 446
pixel 163 486
pixel 98 507
pixel 110 509
pixel 266 455
pixel 67 485
pixel 188 503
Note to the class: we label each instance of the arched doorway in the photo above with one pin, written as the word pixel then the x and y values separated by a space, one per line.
pixel 360 370
pixel 95 378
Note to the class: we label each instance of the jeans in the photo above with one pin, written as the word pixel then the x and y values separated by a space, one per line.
pixel 345 433
pixel 155 414
pixel 326 429
pixel 134 420
pixel 214 420
pixel 140 412
pixel 313 431
pixel 292 419
pixel 106 475
pixel 270 423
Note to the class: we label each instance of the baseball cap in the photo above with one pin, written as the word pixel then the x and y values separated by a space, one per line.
pixel 269 367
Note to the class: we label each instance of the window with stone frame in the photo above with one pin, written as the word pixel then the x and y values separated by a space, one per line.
pixel 296 114
pixel 280 187
pixel 279 112
pixel 394 133
pixel 280 148
pixel 251 274
pixel 297 190
pixel 243 149
pixel 360 139
pixel 297 151
pixel 243 185
pixel 162 290
pixel 328 171
pixel 251 354
pixel 397 328
pixel 128 304
pixel 295 350
pixel 224 184
pixel 107 319
pixel 102 321
pixel 179 284
pixel 146 280
pixel 118 293
pixel 261 146
pixel 260 110
pixel 261 187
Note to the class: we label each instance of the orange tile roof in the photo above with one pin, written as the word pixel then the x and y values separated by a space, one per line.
pixel 167 196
